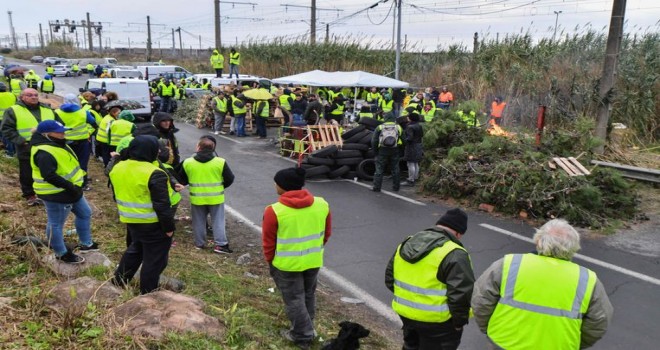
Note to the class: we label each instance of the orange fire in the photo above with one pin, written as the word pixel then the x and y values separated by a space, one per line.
pixel 496 130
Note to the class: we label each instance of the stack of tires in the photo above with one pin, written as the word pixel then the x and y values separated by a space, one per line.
pixel 355 159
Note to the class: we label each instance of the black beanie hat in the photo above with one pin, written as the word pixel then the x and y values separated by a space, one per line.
pixel 455 219
pixel 290 179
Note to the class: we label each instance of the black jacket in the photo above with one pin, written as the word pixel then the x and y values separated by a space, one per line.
pixel 169 152
pixel 203 157
pixel 47 164
pixel 313 112
pixel 455 270
pixel 414 133
pixel 298 107
pixel 8 128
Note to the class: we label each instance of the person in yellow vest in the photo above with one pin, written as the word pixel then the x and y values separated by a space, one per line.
pixel 219 104
pixel 32 79
pixel 142 191
pixel 121 128
pixel 217 62
pixel 295 231
pixel 79 121
pixel 207 177
pixel 50 70
pixel 542 300
pixel 284 101
pixel 17 124
pixel 47 85
pixel 166 92
pixel 261 112
pixel 238 112
pixel 58 181
pixel 365 112
pixel 428 112
pixel 7 99
pixel 75 69
pixel 469 117
pixel 335 111
pixel 386 105
pixel 431 277
pixel 373 99
pixel 206 84
pixel 497 111
pixel 90 70
pixel 234 62
pixel 105 74
pixel 16 84
pixel 103 134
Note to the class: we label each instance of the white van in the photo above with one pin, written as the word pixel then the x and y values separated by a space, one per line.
pixel 126 89
pixel 243 79
pixel 122 72
pixel 152 72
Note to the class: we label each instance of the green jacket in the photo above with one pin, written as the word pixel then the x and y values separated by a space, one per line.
pixel 455 270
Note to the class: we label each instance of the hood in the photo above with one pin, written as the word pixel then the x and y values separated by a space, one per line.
pixel 70 107
pixel 143 148
pixel 215 52
pixel 40 139
pixel 420 244
pixel 71 98
pixel 160 117
pixel 297 199
pixel 204 156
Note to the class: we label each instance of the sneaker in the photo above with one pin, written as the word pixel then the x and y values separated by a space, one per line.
pixel 376 189
pixel 216 133
pixel 223 133
pixel 86 249
pixel 231 133
pixel 71 258
pixel 222 249
pixel 199 247
pixel 33 200
pixel 408 183
pixel 286 334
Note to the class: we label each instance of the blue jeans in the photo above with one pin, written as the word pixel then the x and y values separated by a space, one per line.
pixel 57 214
pixel 233 69
pixel 165 104
pixel 10 149
pixel 82 149
pixel 240 124
pixel 199 214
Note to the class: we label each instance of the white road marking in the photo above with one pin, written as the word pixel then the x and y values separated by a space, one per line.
pixel 582 257
pixel 403 198
pixel 357 292
pixel 227 138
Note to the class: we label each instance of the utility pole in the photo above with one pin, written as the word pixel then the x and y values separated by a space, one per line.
pixel 609 71
pixel 475 43
pixel 12 32
pixel 27 41
pixel 180 43
pixel 556 21
pixel 397 65
pixel 218 39
pixel 41 36
pixel 173 43
pixel 312 29
pixel 394 26
pixel 327 33
pixel 148 39
pixel 98 30
pixel 89 33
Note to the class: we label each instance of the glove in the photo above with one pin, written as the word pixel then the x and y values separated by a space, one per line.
pixel 76 191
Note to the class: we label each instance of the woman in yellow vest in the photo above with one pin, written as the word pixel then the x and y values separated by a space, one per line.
pixel 261 112
pixel 234 62
pixel 121 128
pixel 79 121
pixel 47 86
pixel 58 181
pixel 294 233
pixel 103 134
pixel 219 113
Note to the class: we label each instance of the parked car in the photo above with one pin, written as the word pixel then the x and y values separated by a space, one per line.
pixel 243 79
pixel 2 61
pixel 37 59
pixel 151 72
pixel 129 73
pixel 52 60
pixel 62 70
pixel 127 89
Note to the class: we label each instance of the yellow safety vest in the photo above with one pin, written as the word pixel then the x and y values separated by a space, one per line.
pixel 175 197
pixel 365 115
pixel 470 119
pixel 104 129
pixel 221 104
pixel 205 181
pixel 130 183
pixel 218 61
pixel 543 298
pixel 67 167
pixel 15 85
pixel 373 96
pixel 90 67
pixel 50 70
pixel 265 113
pixel 77 121
pixel 25 120
pixel 167 90
pixel 284 102
pixel 47 86
pixel 235 58
pixel 237 110
pixel 300 234
pixel 339 110
pixel 119 129
pixel 386 106
pixel 75 68
pixel 418 294
pixel 7 99
pixel 429 115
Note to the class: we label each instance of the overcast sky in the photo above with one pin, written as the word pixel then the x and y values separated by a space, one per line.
pixel 429 24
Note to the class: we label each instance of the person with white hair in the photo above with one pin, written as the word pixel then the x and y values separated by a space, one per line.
pixel 543 300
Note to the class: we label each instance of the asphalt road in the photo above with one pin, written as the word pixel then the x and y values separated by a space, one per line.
pixel 368 226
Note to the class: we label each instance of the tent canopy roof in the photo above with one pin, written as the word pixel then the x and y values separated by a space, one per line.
pixel 341 79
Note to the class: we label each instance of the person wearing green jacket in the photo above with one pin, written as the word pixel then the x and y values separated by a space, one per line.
pixel 217 62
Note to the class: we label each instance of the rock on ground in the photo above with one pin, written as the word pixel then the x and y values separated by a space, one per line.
pixel 75 294
pixel 72 270
pixel 244 259
pixel 154 314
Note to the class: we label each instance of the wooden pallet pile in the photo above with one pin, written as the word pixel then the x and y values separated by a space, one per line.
pixel 571 166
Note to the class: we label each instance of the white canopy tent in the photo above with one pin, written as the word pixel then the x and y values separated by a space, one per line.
pixel 341 79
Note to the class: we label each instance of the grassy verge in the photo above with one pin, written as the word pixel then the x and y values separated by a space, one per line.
pixel 251 313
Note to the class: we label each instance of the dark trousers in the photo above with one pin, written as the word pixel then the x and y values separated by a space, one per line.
pixel 150 247
pixel 261 126
pixel 25 176
pixel 82 149
pixel 430 336
pixel 166 104
pixel 105 150
pixel 218 73
pixel 387 157
pixel 298 292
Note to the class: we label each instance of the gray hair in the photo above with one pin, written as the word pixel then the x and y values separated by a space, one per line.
pixel 557 239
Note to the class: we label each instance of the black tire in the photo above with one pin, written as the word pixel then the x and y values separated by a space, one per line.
pixel 325 151
pixel 320 161
pixel 370 154
pixel 356 138
pixel 317 171
pixel 355 146
pixel 366 139
pixel 350 175
pixel 352 132
pixel 366 169
pixel 307 166
pixel 339 172
pixel 348 153
pixel 369 123
pixel 349 161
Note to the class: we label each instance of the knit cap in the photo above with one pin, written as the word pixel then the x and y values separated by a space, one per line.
pixel 290 179
pixel 455 219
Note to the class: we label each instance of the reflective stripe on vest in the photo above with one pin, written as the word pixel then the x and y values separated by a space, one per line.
pixel 300 235
pixel 205 181
pixel 130 183
pixel 539 292
pixel 221 104
pixel 104 129
pixel 339 110
pixel 47 86
pixel 118 130
pixel 25 121
pixel 77 121
pixel 67 167
pixel 418 294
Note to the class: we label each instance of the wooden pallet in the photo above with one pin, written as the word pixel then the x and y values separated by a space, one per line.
pixel 324 135
pixel 571 166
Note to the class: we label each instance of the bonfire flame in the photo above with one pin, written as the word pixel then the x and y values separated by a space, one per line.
pixel 496 130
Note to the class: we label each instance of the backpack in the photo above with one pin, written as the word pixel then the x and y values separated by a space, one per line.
pixel 389 136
